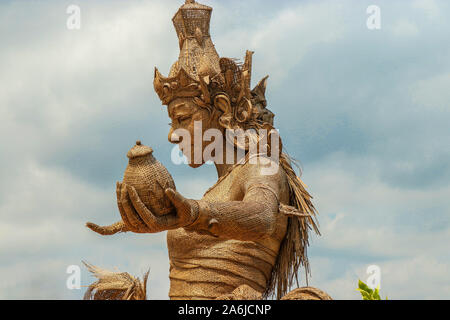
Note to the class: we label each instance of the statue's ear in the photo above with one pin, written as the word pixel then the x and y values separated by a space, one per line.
pixel 222 102
pixel 260 89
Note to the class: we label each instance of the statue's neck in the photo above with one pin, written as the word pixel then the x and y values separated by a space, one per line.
pixel 226 165
pixel 223 169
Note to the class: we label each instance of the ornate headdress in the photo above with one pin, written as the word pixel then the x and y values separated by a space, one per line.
pixel 211 81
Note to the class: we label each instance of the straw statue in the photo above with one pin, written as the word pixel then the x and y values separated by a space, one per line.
pixel 248 236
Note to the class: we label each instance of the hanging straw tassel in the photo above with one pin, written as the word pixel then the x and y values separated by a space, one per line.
pixel 293 250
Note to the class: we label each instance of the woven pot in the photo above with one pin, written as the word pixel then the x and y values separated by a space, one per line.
pixel 150 178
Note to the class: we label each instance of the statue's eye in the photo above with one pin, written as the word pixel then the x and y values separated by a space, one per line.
pixel 184 118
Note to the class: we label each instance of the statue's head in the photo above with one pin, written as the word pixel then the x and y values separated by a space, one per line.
pixel 203 88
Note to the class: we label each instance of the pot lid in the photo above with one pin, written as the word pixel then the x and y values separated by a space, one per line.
pixel 139 150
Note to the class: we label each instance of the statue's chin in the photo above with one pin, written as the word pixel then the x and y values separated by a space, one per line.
pixel 195 165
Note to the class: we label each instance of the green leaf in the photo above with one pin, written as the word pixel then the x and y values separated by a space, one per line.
pixel 365 295
pixel 364 287
pixel 376 294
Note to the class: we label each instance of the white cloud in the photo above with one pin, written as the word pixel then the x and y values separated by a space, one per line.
pixel 364 218
pixel 281 41
pixel 419 277
pixel 405 28
pixel 72 75
pixel 429 7
pixel 432 93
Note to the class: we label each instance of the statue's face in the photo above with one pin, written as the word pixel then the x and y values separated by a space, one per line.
pixel 191 120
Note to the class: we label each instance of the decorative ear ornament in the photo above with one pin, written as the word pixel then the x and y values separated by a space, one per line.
pixel 222 102
pixel 243 111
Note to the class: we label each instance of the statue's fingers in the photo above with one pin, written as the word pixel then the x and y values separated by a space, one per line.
pixel 170 221
pixel 145 214
pixel 183 206
pixel 176 198
pixel 133 218
pixel 108 230
pixel 121 209
pixel 156 223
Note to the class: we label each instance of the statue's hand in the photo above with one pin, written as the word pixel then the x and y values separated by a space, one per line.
pixel 130 216
pixel 138 218
pixel 187 209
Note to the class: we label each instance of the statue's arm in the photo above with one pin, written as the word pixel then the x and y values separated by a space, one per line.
pixel 253 218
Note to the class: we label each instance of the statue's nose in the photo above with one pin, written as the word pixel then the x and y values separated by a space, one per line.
pixel 174 137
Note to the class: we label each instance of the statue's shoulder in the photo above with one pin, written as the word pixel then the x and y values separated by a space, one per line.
pixel 263 168
pixel 250 173
pixel 262 172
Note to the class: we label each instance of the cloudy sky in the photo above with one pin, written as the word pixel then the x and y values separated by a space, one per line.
pixel 365 111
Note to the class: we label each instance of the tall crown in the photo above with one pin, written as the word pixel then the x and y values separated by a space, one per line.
pixel 198 55
pixel 191 16
pixel 196 48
